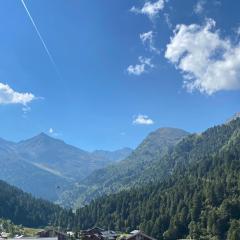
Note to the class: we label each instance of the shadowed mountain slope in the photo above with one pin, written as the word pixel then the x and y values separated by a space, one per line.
pixel 126 173
pixel 45 166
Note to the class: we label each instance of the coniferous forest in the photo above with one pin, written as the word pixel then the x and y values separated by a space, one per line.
pixel 23 209
pixel 120 120
pixel 199 199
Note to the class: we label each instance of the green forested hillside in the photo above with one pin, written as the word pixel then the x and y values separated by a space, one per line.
pixel 155 159
pixel 199 197
pixel 200 200
pixel 192 148
pixel 127 173
pixel 22 209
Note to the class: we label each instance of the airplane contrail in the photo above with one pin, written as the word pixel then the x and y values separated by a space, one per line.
pixel 40 37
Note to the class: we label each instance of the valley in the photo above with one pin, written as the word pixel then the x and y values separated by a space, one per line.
pixel 174 185
pixel 119 120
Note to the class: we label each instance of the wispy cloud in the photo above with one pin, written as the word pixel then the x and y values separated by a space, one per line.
pixel 150 9
pixel 147 38
pixel 168 20
pixel 50 131
pixel 9 96
pixel 25 110
pixel 208 62
pixel 142 120
pixel 199 7
pixel 53 133
pixel 237 31
pixel 40 37
pixel 142 67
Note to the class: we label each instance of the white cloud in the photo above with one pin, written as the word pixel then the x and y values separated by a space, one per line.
pixel 148 38
pixel 142 67
pixel 50 130
pixel 26 109
pixel 168 20
pixel 151 9
pixel 199 7
pixel 143 120
pixel 53 133
pixel 209 63
pixel 237 30
pixel 9 96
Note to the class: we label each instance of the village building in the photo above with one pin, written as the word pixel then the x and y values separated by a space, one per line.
pixel 98 234
pixel 4 235
pixel 33 238
pixel 53 234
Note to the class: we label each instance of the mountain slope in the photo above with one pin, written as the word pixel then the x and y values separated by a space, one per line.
pixel 31 178
pixel 150 162
pixel 124 174
pixel 197 201
pixel 45 166
pixel 189 150
pixel 21 208
pixel 114 156
pixel 55 154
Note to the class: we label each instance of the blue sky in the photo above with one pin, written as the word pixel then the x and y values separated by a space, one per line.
pixel 123 68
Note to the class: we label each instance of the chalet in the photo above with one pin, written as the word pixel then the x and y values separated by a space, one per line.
pixel 91 231
pixel 33 238
pixel 50 233
pixel 109 235
pixel 92 234
pixel 4 235
pixel 98 234
pixel 70 233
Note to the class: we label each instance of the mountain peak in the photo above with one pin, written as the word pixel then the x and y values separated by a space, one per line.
pixel 42 134
pixel 168 132
pixel 42 138
pixel 170 129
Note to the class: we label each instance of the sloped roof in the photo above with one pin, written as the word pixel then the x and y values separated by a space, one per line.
pixel 140 233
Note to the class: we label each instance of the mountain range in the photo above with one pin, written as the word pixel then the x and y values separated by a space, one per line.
pixel 153 160
pixel 175 185
pixel 51 169
pixel 198 198
pixel 44 166
pixel 126 173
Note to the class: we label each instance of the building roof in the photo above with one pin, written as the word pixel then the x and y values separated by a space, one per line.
pixel 109 234
pixel 51 231
pixel 139 233
pixel 135 231
pixel 32 238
